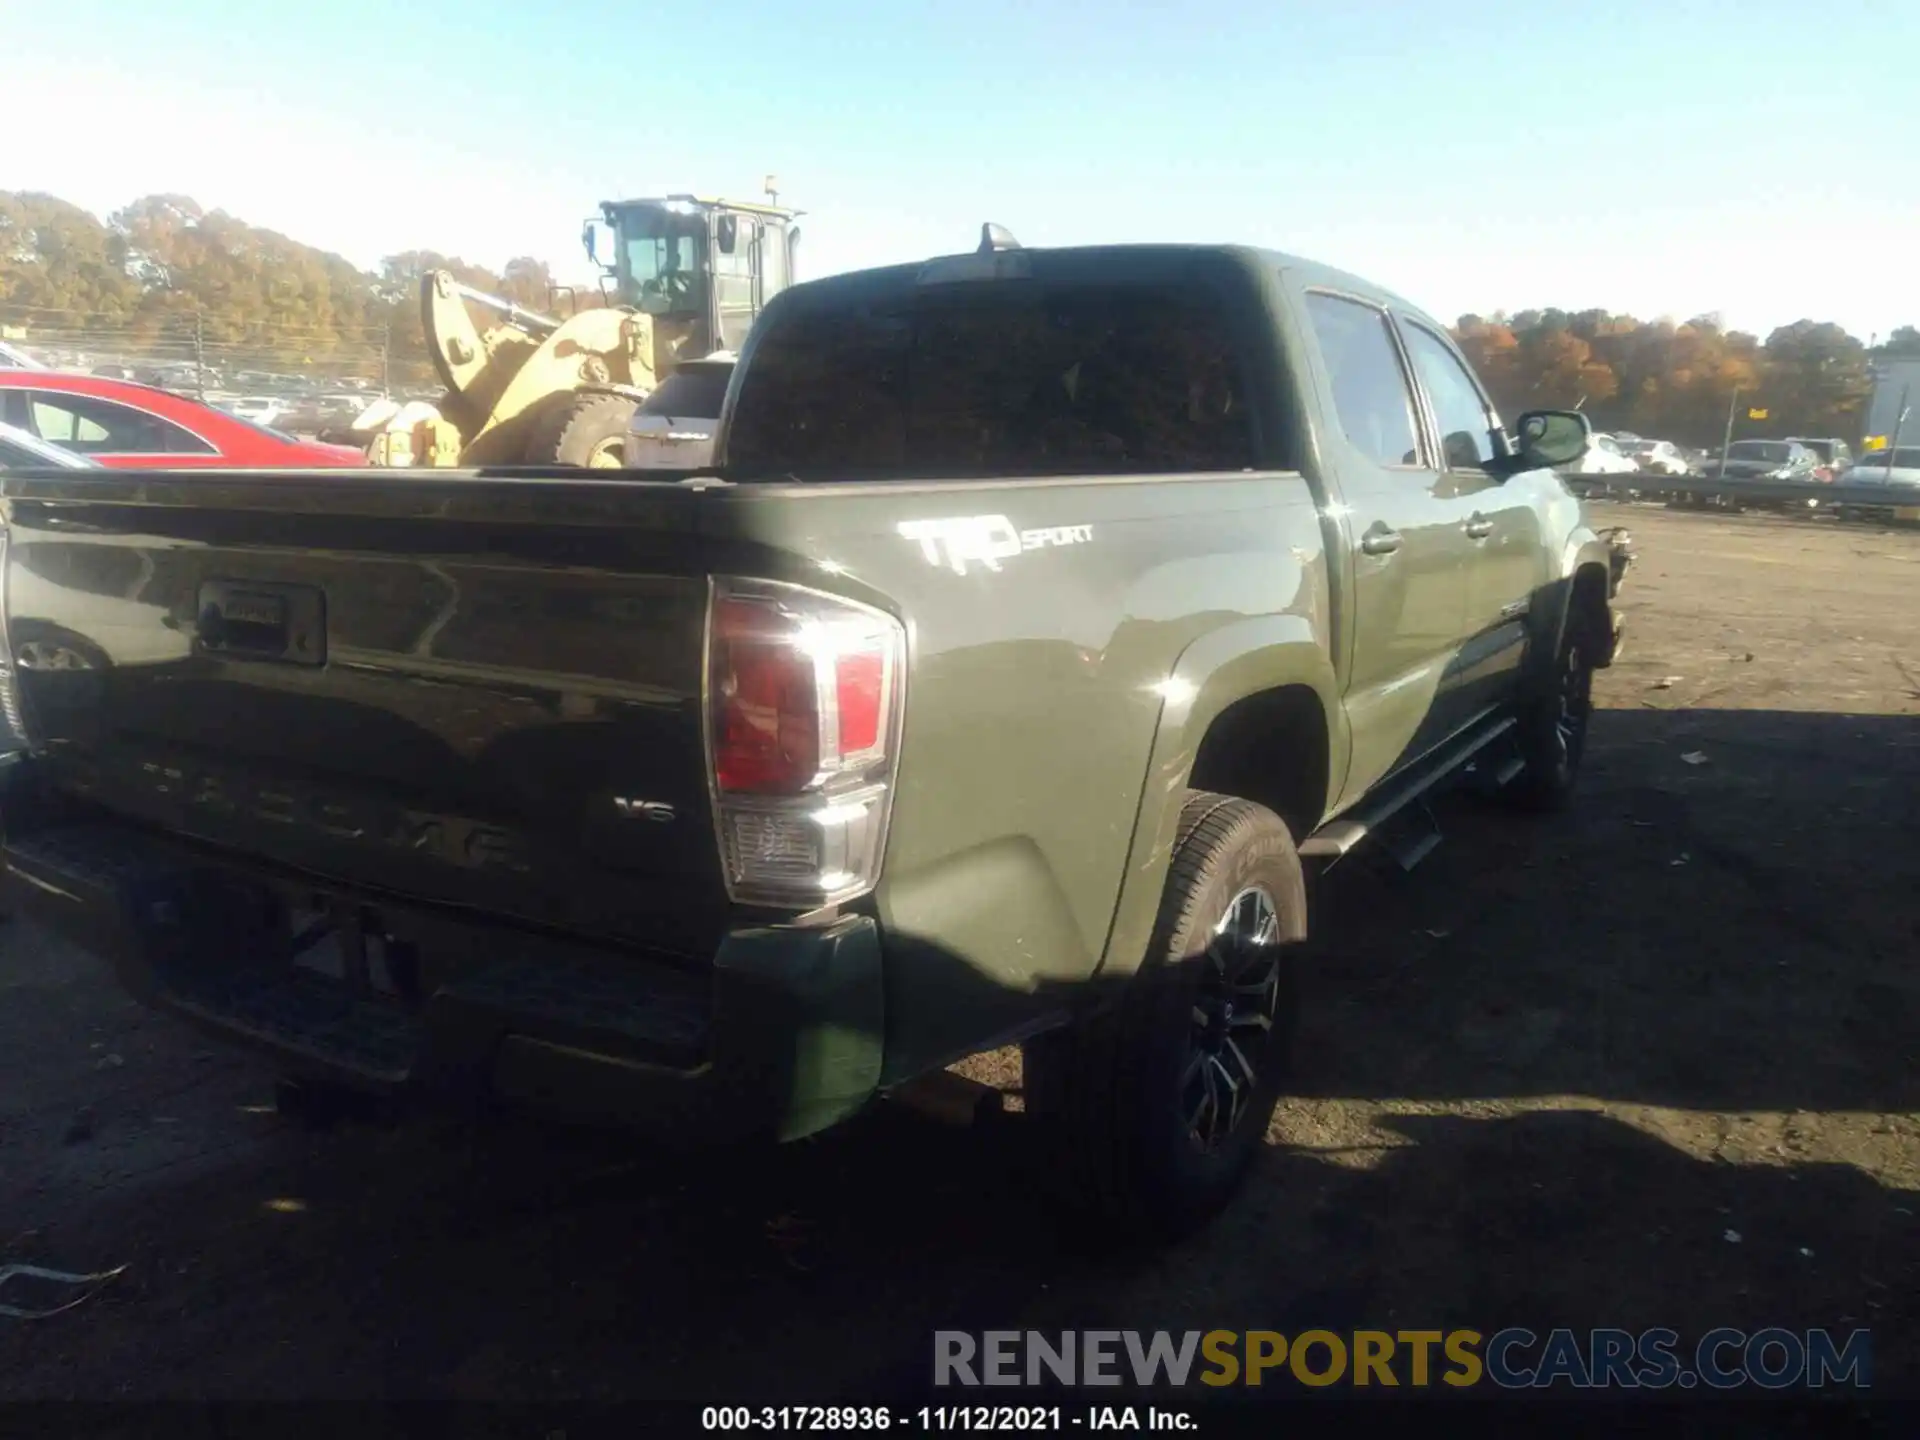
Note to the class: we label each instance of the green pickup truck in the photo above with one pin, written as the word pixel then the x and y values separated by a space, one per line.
pixel 1044 615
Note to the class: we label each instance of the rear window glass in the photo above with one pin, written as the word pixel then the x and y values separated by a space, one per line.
pixel 1008 379
pixel 267 430
pixel 694 391
pixel 1761 450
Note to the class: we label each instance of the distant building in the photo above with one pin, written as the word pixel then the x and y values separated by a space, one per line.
pixel 1894 382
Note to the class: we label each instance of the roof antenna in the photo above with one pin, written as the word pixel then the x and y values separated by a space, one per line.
pixel 996 237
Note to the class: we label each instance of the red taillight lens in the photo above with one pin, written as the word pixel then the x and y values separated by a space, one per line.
pixel 766 702
pixel 860 679
pixel 798 694
pixel 803 708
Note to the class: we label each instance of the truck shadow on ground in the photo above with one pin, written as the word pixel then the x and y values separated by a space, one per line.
pixel 1724 920
pixel 1691 944
pixel 551 1268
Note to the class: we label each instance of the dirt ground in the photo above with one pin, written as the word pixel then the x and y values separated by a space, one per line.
pixel 1650 1063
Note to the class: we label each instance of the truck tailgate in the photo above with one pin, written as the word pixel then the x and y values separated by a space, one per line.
pixel 477 692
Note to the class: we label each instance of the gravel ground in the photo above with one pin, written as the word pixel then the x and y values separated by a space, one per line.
pixel 1649 1063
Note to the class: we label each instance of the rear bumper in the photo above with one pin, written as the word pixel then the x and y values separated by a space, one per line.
pixel 780 1037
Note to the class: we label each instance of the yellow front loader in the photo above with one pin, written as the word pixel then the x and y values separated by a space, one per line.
pixel 689 276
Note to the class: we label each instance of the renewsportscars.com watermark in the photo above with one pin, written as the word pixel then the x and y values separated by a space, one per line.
pixel 1510 1359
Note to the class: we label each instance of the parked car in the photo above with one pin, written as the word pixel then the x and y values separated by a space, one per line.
pixel 673 427
pixel 1658 457
pixel 1887 467
pixel 1834 454
pixel 260 409
pixel 1594 473
pixel 1762 463
pixel 1603 457
pixel 21 450
pixel 119 423
pixel 1897 470
pixel 1003 697
pixel 14 358
pixel 1779 461
pixel 322 414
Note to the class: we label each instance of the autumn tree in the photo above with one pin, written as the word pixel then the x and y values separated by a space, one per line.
pixel 1902 344
pixel 165 277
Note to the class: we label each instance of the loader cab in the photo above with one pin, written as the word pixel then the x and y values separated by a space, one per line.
pixel 704 268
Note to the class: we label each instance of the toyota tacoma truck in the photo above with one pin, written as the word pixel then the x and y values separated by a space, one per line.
pixel 1042 617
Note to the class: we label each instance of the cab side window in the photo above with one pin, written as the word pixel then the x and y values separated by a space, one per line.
pixel 1466 424
pixel 1370 390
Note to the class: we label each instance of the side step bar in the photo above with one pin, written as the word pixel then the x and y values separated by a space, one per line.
pixel 1338 837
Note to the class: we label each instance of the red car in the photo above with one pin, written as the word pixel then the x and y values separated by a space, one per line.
pixel 118 423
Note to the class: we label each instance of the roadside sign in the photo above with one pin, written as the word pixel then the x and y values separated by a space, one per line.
pixel 1753 414
pixel 1874 442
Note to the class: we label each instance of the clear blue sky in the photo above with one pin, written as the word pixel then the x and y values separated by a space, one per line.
pixel 1759 158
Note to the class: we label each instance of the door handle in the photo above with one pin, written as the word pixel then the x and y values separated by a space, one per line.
pixel 1380 542
pixel 1478 528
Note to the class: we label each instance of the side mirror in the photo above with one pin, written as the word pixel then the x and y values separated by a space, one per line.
pixel 1548 438
pixel 590 240
pixel 727 232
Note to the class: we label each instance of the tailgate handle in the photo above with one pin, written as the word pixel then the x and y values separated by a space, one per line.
pixel 262 621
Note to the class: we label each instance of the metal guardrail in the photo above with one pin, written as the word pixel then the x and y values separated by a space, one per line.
pixel 1810 495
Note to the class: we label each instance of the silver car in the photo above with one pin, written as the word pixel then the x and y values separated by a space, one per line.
pixel 1897 468
pixel 1899 471
pixel 673 428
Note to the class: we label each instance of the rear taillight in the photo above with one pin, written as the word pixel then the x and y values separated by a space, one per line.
pixel 13 724
pixel 803 709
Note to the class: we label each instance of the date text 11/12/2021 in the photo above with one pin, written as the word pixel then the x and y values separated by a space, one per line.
pixel 945 1419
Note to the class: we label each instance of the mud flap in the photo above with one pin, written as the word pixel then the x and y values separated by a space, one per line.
pixel 1616 641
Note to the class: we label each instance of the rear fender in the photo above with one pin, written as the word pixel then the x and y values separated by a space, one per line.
pixel 1215 671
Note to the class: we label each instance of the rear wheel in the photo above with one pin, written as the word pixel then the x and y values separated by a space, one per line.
pixel 58 654
pixel 586 430
pixel 1157 1102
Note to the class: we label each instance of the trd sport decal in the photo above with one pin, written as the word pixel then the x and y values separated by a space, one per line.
pixel 985 539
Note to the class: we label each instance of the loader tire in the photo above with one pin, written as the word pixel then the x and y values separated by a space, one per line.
pixel 1141 1143
pixel 585 430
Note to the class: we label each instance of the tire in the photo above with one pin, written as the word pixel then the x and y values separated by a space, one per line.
pixel 1112 1096
pixel 587 430
pixel 1553 726
pixel 43 647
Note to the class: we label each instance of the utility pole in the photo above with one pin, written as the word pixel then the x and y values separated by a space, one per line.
pixel 1899 422
pixel 386 360
pixel 1727 444
pixel 199 356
